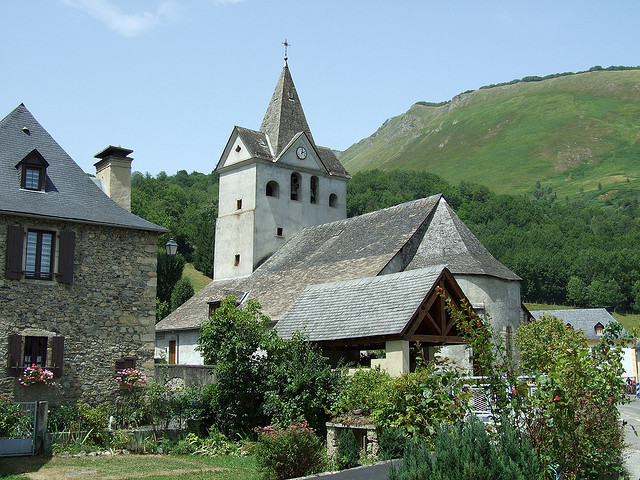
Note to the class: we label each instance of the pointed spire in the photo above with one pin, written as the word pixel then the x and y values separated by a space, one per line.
pixel 285 117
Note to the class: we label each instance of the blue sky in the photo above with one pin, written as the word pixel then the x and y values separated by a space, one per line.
pixel 170 78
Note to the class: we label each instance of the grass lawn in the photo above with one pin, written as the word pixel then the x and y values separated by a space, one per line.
pixel 149 467
pixel 198 279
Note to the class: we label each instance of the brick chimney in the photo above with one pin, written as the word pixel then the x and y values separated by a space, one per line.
pixel 114 171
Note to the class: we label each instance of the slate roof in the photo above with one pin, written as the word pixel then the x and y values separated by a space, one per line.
pixel 350 249
pixel 449 241
pixel 365 307
pixel 69 194
pixel 283 121
pixel 584 319
pixel 284 117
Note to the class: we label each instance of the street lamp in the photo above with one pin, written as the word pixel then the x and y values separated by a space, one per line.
pixel 172 247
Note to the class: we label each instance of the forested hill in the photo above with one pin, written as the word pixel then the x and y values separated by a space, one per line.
pixel 568 251
pixel 570 134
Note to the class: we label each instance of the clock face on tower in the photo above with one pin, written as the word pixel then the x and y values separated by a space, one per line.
pixel 301 153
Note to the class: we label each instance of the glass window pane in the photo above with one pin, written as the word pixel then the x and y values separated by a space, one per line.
pixel 45 254
pixel 32 178
pixel 32 245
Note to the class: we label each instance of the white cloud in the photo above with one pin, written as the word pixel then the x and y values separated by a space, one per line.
pixel 126 24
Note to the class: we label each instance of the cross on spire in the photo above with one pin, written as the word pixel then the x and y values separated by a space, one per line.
pixel 286 46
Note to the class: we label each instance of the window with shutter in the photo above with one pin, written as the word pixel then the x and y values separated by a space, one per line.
pixel 39 255
pixel 15 237
pixel 29 350
pixel 57 354
pixel 15 354
pixel 67 251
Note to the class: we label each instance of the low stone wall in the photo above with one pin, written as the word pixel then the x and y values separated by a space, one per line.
pixel 364 430
pixel 184 375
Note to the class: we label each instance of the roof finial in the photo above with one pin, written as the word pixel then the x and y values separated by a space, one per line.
pixel 286 46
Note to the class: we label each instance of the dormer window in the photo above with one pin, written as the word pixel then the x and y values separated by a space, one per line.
pixel 599 328
pixel 33 169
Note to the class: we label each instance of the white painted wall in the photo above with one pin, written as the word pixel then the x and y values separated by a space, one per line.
pixel 252 230
pixel 186 342
pixel 502 305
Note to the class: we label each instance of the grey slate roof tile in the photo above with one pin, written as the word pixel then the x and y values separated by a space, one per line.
pixel 70 193
pixel 364 307
pixel 449 241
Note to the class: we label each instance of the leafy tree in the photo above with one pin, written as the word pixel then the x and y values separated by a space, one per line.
pixel 182 292
pixel 540 343
pixel 635 291
pixel 576 291
pixel 169 272
pixel 262 379
pixel 233 340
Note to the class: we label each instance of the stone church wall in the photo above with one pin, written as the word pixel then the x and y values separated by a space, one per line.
pixel 106 314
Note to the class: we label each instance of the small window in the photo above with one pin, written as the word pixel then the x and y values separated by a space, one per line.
pixel 279 232
pixel 33 171
pixel 124 363
pixel 273 189
pixel 35 351
pixel 213 306
pixel 333 200
pixel 313 184
pixel 295 186
pixel 32 178
pixel 45 352
pixel 239 204
pixel 39 255
pixel 599 328
pixel 236 261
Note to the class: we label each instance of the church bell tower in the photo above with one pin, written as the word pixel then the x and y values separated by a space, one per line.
pixel 273 182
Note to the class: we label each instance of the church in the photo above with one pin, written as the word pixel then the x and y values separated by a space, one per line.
pixel 352 285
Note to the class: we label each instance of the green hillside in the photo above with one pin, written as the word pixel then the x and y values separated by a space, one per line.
pixel 577 134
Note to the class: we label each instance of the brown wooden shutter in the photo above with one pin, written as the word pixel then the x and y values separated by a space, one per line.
pixel 67 249
pixel 15 237
pixel 57 355
pixel 15 354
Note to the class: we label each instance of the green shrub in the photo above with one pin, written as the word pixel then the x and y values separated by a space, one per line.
pixel 417 463
pixel 63 418
pixel 367 390
pixel 393 442
pixel 288 452
pixel 465 451
pixel 10 415
pixel 94 420
pixel 423 399
pixel 348 451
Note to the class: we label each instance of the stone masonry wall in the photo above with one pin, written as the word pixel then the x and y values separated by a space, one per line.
pixel 107 313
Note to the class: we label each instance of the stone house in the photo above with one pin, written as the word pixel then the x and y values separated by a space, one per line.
pixel 78 287
pixel 283 239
